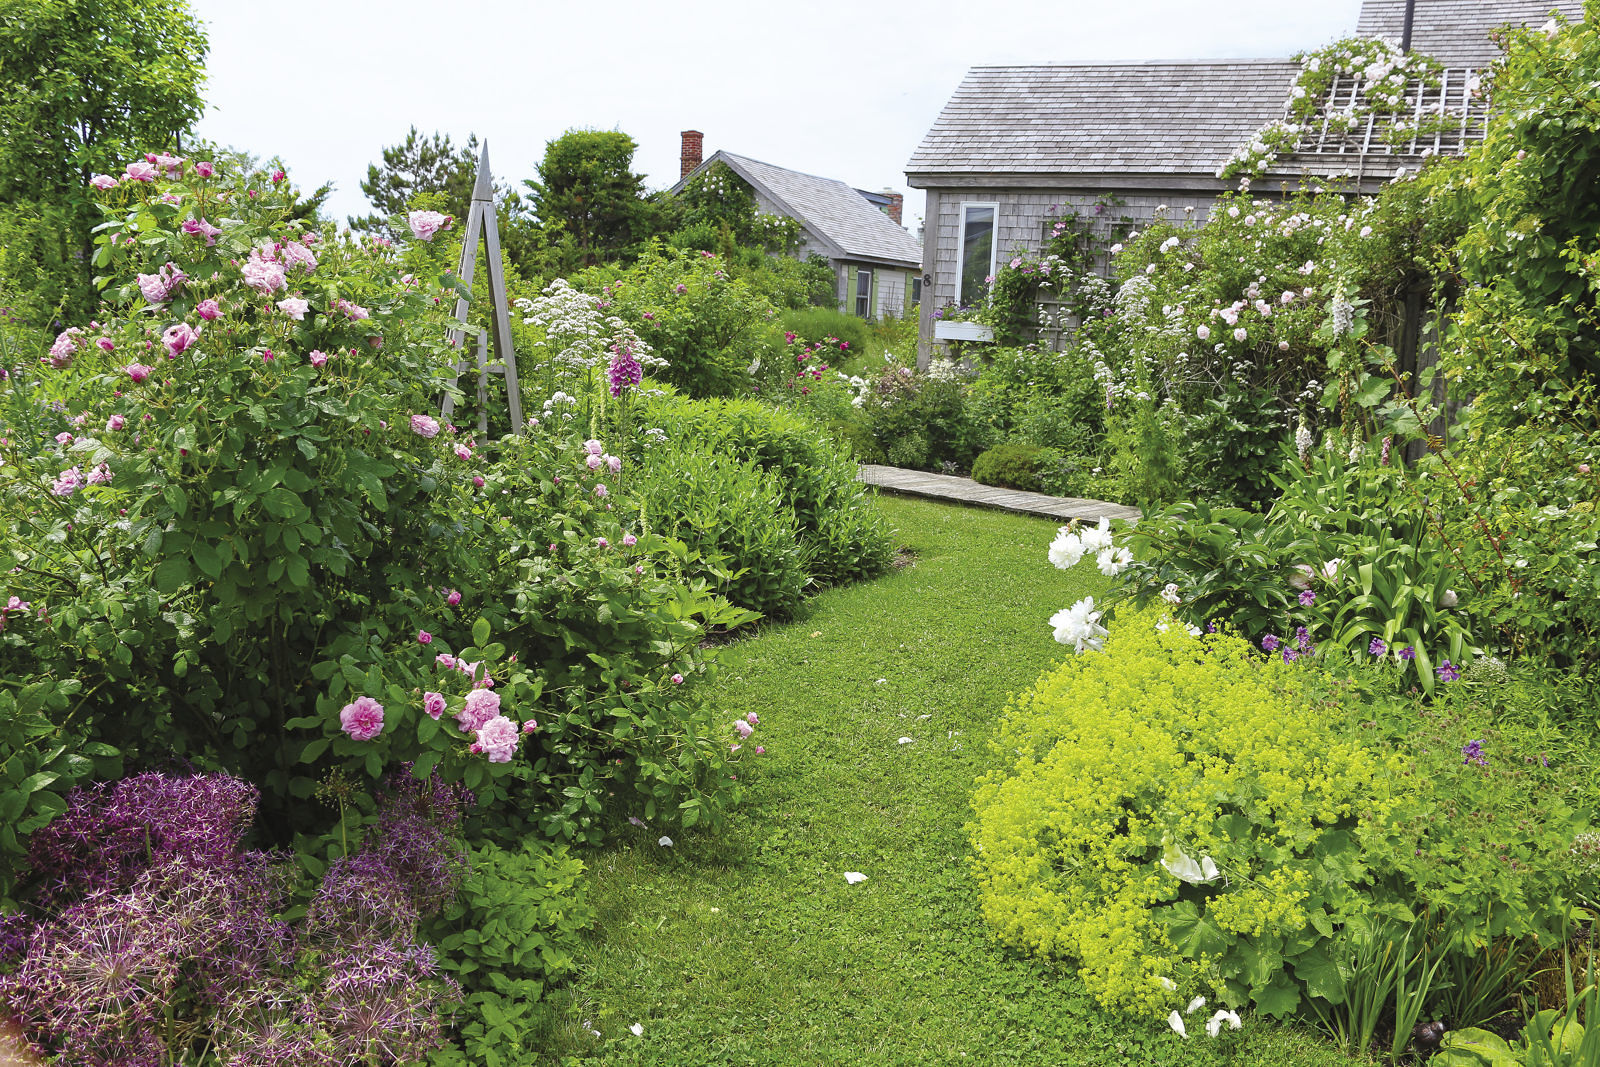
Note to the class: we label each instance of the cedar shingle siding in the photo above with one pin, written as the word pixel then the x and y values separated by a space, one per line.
pixel 1032 137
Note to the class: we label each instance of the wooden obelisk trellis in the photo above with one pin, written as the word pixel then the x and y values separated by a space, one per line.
pixel 482 222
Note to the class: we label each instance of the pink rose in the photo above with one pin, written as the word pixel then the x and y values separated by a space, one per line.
pixel 201 228
pixel 65 347
pixel 424 426
pixel 424 637
pixel 278 176
pixel 530 726
pixel 744 728
pixel 614 464
pixel 362 719
pixel 103 182
pixel 296 254
pixel 63 438
pixel 294 307
pixel 209 310
pixel 101 475
pixel 205 170
pixel 463 452
pixel 179 338
pixel 593 447
pixel 753 719
pixel 601 491
pixel 677 679
pixel 452 598
pixel 138 371
pixel 445 660
pixel 106 344
pixel 1239 334
pixel 628 540
pixel 67 483
pixel 594 462
pixel 1202 332
pixel 599 541
pixel 141 171
pixel 498 738
pixel 263 276
pixel 481 706
pixel 433 704
pixel 424 224
pixel 114 423
pixel 355 312
pixel 477 481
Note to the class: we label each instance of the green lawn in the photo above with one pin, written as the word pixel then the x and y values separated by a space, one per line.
pixel 749 947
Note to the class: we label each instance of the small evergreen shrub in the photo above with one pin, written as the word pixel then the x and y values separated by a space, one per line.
pixel 1012 465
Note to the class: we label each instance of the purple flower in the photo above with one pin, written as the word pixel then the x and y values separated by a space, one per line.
pixel 1378 647
pixel 1302 638
pixel 1290 654
pixel 1473 751
pixel 1408 653
pixel 1270 642
pixel 1447 672
pixel 1308 597
pixel 624 371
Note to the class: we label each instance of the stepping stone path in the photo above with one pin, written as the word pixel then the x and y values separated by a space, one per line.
pixel 966 491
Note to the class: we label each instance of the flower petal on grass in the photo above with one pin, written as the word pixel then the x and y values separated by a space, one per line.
pixel 854 876
pixel 906 740
pixel 665 842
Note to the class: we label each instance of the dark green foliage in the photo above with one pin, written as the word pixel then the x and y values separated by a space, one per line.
pixel 1012 465
pixel 420 164
pixel 841 536
pixel 590 205
pixel 87 86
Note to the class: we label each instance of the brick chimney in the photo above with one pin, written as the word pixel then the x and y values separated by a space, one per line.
pixel 693 152
pixel 896 202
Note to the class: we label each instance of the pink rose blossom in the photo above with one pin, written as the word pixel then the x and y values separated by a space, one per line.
pixel 593 462
pixel 744 728
pixel 424 426
pixel 114 423
pixel 201 228
pixel 463 452
pixel 1202 332
pixel 68 482
pixel 477 481
pixel 159 287
pixel 424 224
pixel 179 338
pixel 262 275
pixel 445 660
pixel 614 464
pixel 101 475
pixel 355 312
pixel 63 438
pixel 103 182
pixel 294 307
pixel 760 751
pixel 530 726
pixel 600 541
pixel 424 637
pixel 65 347
pixel 279 176
pixel 753 719
pixel 628 540
pixel 498 738
pixel 363 719
pixel 296 255
pixel 141 171
pixel 593 447
pixel 481 706
pixel 318 357
pixel 677 679
pixel 1240 334
pixel 138 371
pixel 433 704
pixel 106 344
pixel 205 170
pixel 601 491
pixel 209 310
pixel 452 598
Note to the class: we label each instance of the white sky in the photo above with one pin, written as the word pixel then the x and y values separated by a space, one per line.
pixel 844 90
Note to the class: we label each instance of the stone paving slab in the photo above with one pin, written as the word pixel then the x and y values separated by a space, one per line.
pixel 966 491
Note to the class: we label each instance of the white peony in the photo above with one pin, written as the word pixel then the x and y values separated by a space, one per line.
pixel 1079 626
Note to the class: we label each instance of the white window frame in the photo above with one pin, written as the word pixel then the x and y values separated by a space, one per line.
pixel 961 241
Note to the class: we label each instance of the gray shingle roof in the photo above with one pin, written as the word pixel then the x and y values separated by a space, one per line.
pixel 1125 118
pixel 1456 32
pixel 830 209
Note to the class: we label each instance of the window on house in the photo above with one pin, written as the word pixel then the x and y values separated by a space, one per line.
pixel 976 252
pixel 916 291
pixel 864 294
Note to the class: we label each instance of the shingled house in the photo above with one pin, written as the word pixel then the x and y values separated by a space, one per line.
pixel 877 265
pixel 1018 146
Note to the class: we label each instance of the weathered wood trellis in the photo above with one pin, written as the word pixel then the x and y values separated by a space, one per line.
pixel 482 222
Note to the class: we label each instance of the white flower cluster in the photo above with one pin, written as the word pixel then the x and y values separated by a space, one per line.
pixel 1079 625
pixel 577 335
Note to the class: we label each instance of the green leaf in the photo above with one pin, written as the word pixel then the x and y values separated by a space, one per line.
pixel 480 632
pixel 313 749
pixel 206 558
pixel 1321 975
pixel 172 575
pixel 1279 999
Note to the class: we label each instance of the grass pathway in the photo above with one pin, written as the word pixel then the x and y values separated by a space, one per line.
pixel 749 947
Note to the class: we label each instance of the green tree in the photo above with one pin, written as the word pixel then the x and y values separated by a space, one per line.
pixel 86 86
pixel 590 205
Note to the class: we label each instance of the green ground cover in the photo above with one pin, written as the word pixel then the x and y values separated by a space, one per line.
pixel 749 947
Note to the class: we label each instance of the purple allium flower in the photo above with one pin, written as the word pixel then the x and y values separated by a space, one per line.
pixel 1308 597
pixel 1447 672
pixel 1378 647
pixel 1472 752
pixel 1408 653
pixel 1271 642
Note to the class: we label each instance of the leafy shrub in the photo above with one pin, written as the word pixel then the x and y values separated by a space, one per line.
pixel 840 533
pixel 1180 810
pixel 732 514
pixel 1015 466
pixel 510 935
pixel 707 325
pixel 919 419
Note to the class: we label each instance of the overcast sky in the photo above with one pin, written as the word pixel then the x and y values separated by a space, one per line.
pixel 844 90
